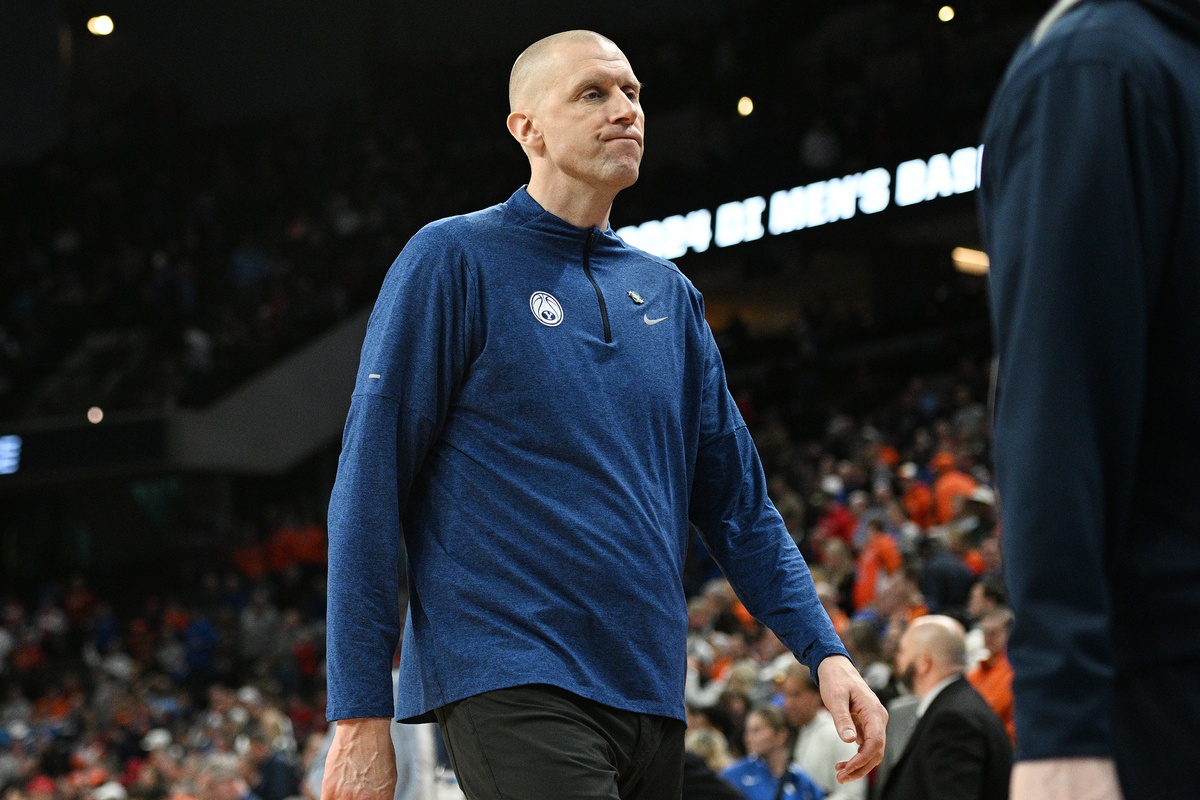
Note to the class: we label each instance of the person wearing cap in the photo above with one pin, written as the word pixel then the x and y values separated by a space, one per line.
pixel 915 496
pixel 111 790
pixel 950 482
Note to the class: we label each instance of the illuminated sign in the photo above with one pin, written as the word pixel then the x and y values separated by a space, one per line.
pixel 10 454
pixel 809 206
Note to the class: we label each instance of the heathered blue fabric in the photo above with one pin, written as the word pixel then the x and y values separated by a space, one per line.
pixel 543 478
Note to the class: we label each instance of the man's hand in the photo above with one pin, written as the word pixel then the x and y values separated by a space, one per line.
pixel 361 764
pixel 857 713
pixel 1066 779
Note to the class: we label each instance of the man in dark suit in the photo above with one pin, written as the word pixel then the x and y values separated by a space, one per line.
pixel 959 749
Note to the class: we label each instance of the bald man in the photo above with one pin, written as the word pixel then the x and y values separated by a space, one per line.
pixel 540 412
pixel 959 749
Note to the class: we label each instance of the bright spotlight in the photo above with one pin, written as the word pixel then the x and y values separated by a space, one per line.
pixel 95 415
pixel 945 13
pixel 972 262
pixel 101 25
pixel 745 106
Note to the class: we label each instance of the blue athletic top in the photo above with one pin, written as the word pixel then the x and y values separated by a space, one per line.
pixel 753 778
pixel 541 409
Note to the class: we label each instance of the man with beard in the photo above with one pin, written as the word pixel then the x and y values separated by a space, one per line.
pixel 959 749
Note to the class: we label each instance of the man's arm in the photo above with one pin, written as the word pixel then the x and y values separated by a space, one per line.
pixel 414 356
pixel 1076 193
pixel 361 764
pixel 747 537
pixel 416 351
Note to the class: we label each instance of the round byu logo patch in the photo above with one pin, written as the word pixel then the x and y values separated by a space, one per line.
pixel 546 308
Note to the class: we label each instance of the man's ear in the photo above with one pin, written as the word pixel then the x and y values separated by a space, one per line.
pixel 522 128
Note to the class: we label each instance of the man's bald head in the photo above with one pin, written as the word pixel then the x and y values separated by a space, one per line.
pixel 942 638
pixel 532 70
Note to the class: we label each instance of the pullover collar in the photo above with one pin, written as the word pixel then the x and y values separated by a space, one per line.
pixel 531 215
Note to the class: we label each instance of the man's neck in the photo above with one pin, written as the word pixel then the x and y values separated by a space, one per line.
pixel 929 691
pixel 579 204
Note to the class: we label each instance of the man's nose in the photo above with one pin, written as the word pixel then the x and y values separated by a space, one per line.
pixel 624 109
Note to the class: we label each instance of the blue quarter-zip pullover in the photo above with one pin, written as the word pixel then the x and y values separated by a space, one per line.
pixel 539 412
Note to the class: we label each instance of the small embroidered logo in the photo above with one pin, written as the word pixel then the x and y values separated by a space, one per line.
pixel 546 308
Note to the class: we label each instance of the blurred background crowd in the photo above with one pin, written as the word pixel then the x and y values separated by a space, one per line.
pixel 174 238
pixel 220 683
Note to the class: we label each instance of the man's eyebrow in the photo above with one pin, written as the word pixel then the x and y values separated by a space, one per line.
pixel 597 81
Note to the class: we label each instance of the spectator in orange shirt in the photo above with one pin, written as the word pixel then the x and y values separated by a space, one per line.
pixel 994 675
pixel 916 496
pixel 879 559
pixel 950 483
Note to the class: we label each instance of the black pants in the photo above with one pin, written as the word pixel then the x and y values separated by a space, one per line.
pixel 544 743
pixel 1156 732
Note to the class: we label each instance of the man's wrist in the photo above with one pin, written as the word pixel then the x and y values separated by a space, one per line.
pixel 365 725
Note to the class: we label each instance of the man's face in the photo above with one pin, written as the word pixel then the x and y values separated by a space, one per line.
pixel 995 636
pixel 590 116
pixel 761 738
pixel 906 664
pixel 977 602
pixel 800 701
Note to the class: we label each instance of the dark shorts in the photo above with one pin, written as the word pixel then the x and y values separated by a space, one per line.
pixel 544 743
pixel 1156 720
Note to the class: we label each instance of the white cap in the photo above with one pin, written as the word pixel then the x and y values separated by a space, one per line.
pixel 832 484
pixel 156 739
pixel 984 494
pixel 109 791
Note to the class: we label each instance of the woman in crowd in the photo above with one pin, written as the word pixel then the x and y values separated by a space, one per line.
pixel 766 772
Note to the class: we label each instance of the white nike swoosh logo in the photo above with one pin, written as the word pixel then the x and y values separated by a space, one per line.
pixel 646 319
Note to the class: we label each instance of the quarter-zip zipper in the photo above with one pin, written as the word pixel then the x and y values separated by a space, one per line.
pixel 587 270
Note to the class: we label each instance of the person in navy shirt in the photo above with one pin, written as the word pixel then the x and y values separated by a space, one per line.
pixel 1090 203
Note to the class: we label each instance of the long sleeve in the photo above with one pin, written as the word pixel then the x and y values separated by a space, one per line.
pixel 743 531
pixel 414 357
pixel 1077 185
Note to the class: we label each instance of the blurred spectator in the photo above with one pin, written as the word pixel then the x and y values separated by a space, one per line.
pixel 993 676
pixel 700 782
pixel 220 778
pixel 274 771
pixel 880 558
pixel 917 497
pixel 710 745
pixel 946 580
pixel 987 595
pixel 767 765
pixel 950 483
pixel 818 748
pixel 959 747
pixel 862 641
